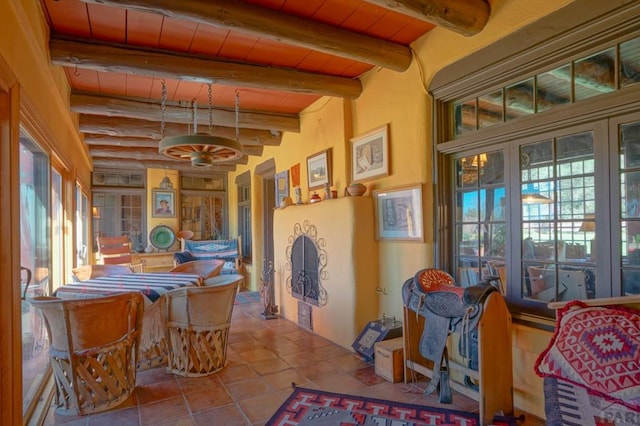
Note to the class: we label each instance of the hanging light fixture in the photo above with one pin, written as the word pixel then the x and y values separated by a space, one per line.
pixel 202 149
pixel 530 195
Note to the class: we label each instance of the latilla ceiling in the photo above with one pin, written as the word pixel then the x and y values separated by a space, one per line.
pixel 275 56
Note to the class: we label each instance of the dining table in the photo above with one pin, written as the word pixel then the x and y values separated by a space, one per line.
pixel 153 350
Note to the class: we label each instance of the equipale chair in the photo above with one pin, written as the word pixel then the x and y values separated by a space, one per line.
pixel 198 320
pixel 94 349
pixel 117 251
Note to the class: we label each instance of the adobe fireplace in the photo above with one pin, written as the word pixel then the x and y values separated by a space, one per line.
pixel 326 269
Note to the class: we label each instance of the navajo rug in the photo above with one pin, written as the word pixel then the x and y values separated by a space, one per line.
pixel 309 407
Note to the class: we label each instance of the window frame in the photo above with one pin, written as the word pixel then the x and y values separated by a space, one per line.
pixel 517 65
pixel 243 187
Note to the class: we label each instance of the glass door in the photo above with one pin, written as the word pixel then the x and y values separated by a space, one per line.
pixel 35 255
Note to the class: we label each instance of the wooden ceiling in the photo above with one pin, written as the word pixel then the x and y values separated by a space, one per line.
pixel 275 57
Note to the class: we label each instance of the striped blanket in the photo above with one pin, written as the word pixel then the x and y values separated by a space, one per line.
pixel 151 285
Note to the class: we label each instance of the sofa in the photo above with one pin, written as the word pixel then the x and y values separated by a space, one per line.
pixel 229 250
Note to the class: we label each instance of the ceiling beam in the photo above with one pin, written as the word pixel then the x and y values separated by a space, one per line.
pixel 152 111
pixel 136 128
pixel 184 166
pixel 142 154
pixel 107 140
pixel 124 58
pixel 276 25
pixel 466 17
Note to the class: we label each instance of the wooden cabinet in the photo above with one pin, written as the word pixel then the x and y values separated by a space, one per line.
pixel 154 262
pixel 389 359
pixel 494 376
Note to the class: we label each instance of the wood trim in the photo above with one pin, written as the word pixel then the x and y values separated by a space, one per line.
pixel 10 344
pixel 276 25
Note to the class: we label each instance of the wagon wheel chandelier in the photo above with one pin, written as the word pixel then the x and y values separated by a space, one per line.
pixel 202 149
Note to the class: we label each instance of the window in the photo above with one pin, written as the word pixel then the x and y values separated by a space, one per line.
pixel 120 213
pixel 119 207
pixel 204 206
pixel 82 228
pixel 540 170
pixel 243 183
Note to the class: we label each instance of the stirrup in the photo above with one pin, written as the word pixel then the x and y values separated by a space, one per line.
pixel 444 390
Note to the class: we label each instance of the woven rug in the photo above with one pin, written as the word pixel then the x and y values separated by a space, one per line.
pixel 311 407
pixel 247 297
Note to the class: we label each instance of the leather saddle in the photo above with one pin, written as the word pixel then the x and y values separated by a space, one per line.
pixel 447 308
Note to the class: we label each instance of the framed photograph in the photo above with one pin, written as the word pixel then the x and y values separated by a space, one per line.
pixel 370 155
pixel 319 169
pixel 282 187
pixel 398 213
pixel 163 202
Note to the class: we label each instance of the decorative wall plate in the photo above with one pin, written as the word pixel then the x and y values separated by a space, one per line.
pixel 162 237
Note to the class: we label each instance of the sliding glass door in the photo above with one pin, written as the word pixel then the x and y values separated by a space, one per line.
pixel 35 255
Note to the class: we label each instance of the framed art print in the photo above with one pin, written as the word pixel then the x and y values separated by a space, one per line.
pixel 319 169
pixel 370 155
pixel 163 202
pixel 398 213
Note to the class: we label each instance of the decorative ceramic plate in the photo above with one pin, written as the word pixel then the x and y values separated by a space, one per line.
pixel 162 237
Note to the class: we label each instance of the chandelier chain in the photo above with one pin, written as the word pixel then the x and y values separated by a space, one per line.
pixel 195 117
pixel 237 115
pixel 210 96
pixel 163 107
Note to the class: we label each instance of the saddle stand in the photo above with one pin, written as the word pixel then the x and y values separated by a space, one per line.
pixel 432 293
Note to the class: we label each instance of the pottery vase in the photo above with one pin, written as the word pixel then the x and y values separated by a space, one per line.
pixel 356 189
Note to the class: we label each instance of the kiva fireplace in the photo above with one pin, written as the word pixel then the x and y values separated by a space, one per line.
pixel 326 266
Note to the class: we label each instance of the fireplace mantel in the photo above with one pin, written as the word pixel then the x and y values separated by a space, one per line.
pixel 346 226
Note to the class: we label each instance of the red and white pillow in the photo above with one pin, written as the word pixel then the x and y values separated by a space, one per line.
pixel 597 348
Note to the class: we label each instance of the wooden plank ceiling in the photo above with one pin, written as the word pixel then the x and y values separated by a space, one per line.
pixel 275 56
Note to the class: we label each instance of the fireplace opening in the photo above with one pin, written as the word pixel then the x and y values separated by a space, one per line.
pixel 305 276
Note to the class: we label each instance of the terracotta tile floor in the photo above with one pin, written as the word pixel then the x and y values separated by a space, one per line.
pixel 264 358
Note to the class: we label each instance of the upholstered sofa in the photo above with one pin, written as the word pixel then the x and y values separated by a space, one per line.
pixel 229 250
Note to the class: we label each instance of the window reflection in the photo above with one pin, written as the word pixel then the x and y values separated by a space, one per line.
pixel 630 207
pixel 490 109
pixel 480 217
pixel 595 75
pixel 630 62
pixel 553 88
pixel 519 99
pixel 558 218
pixel 588 77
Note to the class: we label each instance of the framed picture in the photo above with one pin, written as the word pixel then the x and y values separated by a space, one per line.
pixel 370 154
pixel 398 213
pixel 319 169
pixel 282 187
pixel 163 202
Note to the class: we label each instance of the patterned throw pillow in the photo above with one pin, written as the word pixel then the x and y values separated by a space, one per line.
pixel 597 348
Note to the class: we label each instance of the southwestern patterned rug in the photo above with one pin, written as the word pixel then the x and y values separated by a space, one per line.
pixel 309 407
